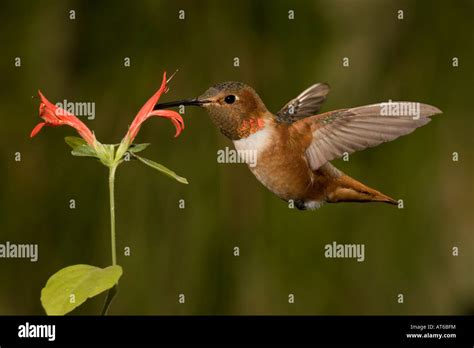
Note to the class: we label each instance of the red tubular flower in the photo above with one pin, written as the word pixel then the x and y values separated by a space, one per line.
pixel 147 111
pixel 55 116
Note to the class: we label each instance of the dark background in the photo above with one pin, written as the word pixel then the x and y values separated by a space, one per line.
pixel 190 250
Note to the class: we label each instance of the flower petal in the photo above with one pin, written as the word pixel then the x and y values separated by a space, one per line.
pixel 174 117
pixel 148 107
pixel 144 112
pixel 46 102
pixel 37 129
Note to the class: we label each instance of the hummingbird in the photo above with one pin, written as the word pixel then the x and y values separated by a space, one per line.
pixel 294 147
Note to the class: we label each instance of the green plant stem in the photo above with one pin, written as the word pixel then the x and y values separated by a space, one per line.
pixel 110 296
pixel 112 292
pixel 112 213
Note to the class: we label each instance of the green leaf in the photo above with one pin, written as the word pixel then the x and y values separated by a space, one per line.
pixel 84 151
pixel 80 147
pixel 161 168
pixel 138 147
pixel 73 285
pixel 75 142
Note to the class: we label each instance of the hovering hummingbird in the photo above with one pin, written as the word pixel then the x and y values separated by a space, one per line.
pixel 294 146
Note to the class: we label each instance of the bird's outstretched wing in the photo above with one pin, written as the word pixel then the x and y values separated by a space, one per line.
pixel 334 133
pixel 306 104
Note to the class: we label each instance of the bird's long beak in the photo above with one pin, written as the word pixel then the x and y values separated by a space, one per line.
pixel 185 102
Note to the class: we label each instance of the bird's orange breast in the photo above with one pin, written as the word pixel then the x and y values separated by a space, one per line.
pixel 281 162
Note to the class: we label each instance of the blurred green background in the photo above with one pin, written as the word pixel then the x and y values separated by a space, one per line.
pixel 190 250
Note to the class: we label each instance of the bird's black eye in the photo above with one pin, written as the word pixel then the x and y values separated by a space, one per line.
pixel 229 99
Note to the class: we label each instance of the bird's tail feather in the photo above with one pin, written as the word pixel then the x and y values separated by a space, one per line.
pixel 351 190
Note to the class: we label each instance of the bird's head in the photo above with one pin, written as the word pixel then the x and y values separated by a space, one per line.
pixel 235 108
